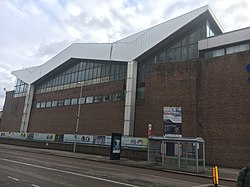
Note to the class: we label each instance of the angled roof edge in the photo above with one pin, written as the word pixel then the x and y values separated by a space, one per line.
pixel 126 49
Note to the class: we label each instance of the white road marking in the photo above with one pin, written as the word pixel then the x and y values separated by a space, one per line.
pixel 207 185
pixel 15 179
pixel 34 185
pixel 68 172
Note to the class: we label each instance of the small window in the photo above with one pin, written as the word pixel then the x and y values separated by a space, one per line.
pixel 89 99
pixel 54 103
pixel 106 98
pixel 218 52
pixel 48 104
pixel 98 99
pixel 43 104
pixel 66 102
pixel 74 101
pixel 38 105
pixel 81 100
pixel 60 103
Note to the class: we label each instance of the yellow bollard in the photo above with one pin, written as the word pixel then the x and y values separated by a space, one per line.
pixel 215 175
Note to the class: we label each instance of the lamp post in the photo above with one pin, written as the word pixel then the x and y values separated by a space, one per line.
pixel 78 117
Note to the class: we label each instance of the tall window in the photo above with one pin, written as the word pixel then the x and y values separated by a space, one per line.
pixel 89 72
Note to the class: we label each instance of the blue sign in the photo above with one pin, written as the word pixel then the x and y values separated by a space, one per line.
pixel 248 68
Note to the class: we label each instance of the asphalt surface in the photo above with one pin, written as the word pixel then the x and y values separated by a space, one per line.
pixel 22 166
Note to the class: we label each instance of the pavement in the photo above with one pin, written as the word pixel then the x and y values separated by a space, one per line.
pixel 228 174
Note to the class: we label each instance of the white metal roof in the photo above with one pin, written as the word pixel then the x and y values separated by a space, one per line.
pixel 126 49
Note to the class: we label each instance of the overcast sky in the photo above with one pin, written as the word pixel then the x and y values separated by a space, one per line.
pixel 33 31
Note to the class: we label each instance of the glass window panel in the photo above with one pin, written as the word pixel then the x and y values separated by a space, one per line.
pixel 112 72
pixel 72 77
pixel 84 65
pixel 98 74
pixel 184 53
pixel 106 98
pixel 81 66
pixel 96 99
pixel 90 73
pixel 218 52
pixel 38 105
pixel 94 73
pixel 77 66
pixel 79 77
pixel 103 73
pixel 67 102
pixel 60 103
pixel 48 104
pixel 87 75
pixel 229 50
pixel 244 47
pixel 54 103
pixel 108 69
pixel 81 100
pixel 90 99
pixel 74 101
pixel 43 104
pixel 192 52
pixel 83 75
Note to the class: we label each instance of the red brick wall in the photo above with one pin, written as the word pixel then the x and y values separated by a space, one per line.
pixel 172 84
pixel 12 113
pixel 96 118
pixel 214 95
pixel 215 98
pixel 224 109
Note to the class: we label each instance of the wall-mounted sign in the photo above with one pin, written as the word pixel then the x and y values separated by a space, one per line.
pixel 172 121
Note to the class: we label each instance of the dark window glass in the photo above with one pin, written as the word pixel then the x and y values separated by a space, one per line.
pixel 94 73
pixel 60 103
pixel 87 75
pixel 98 74
pixel 103 73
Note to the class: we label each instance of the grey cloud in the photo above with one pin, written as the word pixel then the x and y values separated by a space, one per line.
pixel 51 48
pixel 236 7
pixel 97 23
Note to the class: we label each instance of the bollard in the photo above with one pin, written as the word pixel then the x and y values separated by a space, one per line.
pixel 215 175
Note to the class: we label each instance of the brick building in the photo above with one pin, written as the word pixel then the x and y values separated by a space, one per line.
pixel 186 62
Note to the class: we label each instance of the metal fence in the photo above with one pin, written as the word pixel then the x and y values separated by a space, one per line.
pixel 184 154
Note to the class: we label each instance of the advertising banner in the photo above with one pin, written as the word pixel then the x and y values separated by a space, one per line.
pixel 4 134
pixel 18 135
pixel 44 137
pixel 134 142
pixel 100 140
pixel 172 121
pixel 87 139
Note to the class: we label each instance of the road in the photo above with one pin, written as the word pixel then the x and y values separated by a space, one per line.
pixel 21 168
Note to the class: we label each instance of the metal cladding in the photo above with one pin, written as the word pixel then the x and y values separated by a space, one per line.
pixel 127 49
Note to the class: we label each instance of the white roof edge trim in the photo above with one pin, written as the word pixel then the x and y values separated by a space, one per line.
pixel 225 39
